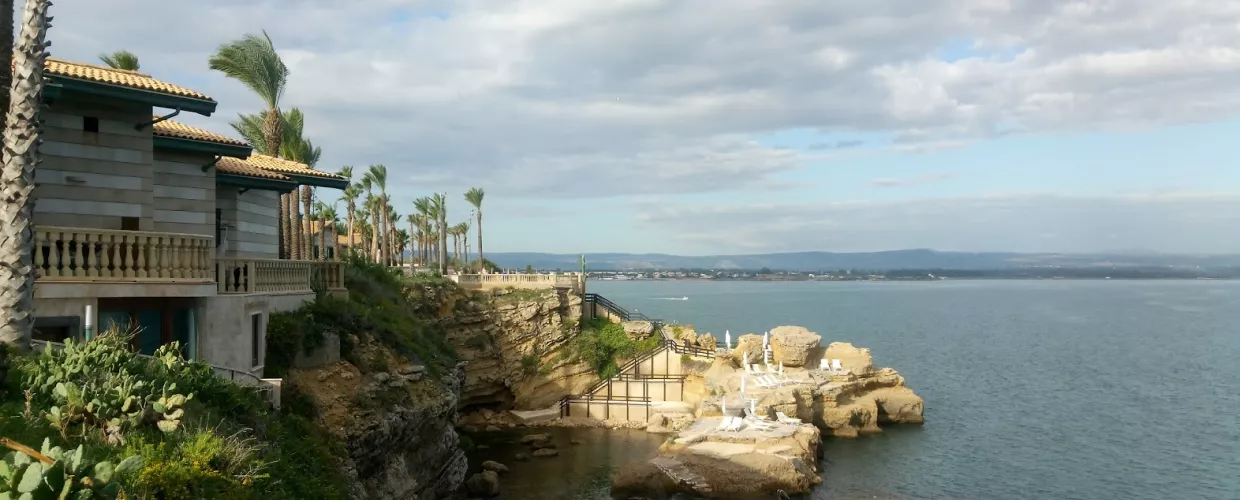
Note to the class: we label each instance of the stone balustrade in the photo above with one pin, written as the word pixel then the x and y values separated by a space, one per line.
pixel 104 255
pixel 526 281
pixel 273 275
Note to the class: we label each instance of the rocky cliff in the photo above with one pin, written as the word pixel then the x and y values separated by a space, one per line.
pixel 515 344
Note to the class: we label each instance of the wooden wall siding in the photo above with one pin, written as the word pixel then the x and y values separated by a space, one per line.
pixel 93 179
pixel 253 218
pixel 184 195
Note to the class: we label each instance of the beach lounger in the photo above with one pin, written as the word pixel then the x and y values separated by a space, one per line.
pixel 737 423
pixel 757 368
pixel 786 419
pixel 748 369
pixel 824 365
pixel 762 382
pixel 723 425
pixel 836 367
pixel 770 381
pixel 759 425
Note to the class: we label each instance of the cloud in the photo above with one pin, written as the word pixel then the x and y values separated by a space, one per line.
pixel 1030 222
pixel 843 144
pixel 912 181
pixel 541 98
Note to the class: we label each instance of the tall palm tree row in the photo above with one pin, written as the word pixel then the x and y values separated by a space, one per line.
pixel 349 195
pixel 378 176
pixel 121 59
pixel 474 197
pixel 22 135
pixel 441 211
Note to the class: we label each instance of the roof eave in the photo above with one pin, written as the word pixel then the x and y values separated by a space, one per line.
pixel 193 146
pixel 245 181
pixel 310 180
pixel 157 99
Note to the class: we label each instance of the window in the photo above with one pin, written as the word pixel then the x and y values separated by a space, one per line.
pixel 56 328
pixel 90 123
pixel 219 227
pixel 257 340
pixel 129 224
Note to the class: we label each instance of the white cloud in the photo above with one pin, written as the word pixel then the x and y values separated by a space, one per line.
pixel 537 97
pixel 1185 222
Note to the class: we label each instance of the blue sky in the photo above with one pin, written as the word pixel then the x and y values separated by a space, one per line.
pixel 710 127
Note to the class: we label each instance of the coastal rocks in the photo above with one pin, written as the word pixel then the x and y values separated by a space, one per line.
pixel 535 440
pixel 898 405
pixel 750 344
pixel 485 483
pixel 390 432
pixel 515 345
pixel 854 359
pixel 664 423
pixel 726 465
pixel 492 465
pixel 638 330
pixel 793 345
pixel 546 453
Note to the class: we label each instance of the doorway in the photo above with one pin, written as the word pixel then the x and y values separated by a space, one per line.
pixel 153 321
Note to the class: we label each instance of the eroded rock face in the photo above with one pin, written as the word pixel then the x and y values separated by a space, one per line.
pixel 513 346
pixel 392 425
pixel 854 359
pixel 793 345
pixel 485 483
pixel 751 344
pixel 638 330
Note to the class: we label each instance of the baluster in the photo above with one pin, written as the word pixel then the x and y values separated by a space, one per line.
pixel 57 253
pixel 39 238
pixel 91 254
pixel 74 266
pixel 143 264
pixel 159 261
pixel 175 263
pixel 125 248
pixel 196 257
pixel 105 255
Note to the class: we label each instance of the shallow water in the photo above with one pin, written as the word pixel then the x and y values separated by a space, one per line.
pixel 1034 389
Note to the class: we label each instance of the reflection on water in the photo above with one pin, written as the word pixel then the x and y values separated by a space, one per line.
pixel 580 472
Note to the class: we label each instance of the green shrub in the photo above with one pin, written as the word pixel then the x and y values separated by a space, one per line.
pixel 604 345
pixel 52 473
pixel 529 364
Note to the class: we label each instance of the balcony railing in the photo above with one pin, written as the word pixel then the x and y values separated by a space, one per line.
pixel 104 255
pixel 553 280
pixel 271 275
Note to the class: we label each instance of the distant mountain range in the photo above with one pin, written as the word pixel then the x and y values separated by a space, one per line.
pixel 889 260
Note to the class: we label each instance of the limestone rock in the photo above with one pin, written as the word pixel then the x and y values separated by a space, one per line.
pixel 494 466
pixel 485 483
pixel 708 341
pixel 520 457
pixel 899 405
pixel 793 345
pixel 492 428
pixel 638 330
pixel 751 344
pixel 533 439
pixel 854 359
pixel 546 453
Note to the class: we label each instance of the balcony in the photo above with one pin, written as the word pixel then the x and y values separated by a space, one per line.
pixel 276 276
pixel 522 281
pixel 78 262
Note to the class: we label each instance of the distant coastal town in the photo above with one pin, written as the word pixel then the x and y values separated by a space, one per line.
pixel 1049 273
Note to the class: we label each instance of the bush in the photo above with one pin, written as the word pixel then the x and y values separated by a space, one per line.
pixel 603 345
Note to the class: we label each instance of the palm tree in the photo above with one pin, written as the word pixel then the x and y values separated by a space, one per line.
pixel 440 202
pixel 253 61
pixel 474 197
pixel 414 237
pixel 327 217
pixel 461 230
pixel 378 175
pixel 393 218
pixel 121 59
pixel 22 136
pixel 296 147
pixel 350 199
pixel 402 240
pixel 423 207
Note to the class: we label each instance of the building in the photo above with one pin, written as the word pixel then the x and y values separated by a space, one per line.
pixel 154 224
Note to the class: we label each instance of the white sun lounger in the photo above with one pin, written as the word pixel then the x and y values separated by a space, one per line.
pixel 759 425
pixel 836 367
pixel 771 380
pixel 757 368
pixel 824 364
pixel 723 424
pixel 786 419
pixel 765 382
pixel 737 423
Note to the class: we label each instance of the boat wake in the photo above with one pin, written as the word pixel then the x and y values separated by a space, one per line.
pixel 669 298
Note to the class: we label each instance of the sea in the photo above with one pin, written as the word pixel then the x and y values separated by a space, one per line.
pixel 1062 389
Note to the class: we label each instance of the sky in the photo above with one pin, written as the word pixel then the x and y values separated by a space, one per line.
pixel 706 127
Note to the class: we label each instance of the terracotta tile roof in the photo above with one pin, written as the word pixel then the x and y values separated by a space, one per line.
pixel 169 128
pixel 237 166
pixel 123 78
pixel 288 167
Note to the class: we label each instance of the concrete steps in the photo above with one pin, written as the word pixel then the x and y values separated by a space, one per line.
pixel 681 474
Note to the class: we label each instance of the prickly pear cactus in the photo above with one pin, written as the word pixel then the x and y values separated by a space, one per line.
pixel 59 475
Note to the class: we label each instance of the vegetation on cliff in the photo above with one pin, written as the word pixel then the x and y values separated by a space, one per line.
pixel 604 345
pixel 159 427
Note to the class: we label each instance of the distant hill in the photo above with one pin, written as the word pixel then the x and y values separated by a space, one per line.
pixel 888 260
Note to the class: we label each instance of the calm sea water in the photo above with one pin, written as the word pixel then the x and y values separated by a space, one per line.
pixel 1034 389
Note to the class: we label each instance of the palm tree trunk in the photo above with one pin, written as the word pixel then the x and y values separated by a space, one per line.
pixel 375 233
pixel 6 54
pixel 481 261
pixel 352 247
pixel 286 238
pixel 322 240
pixel 443 242
pixel 22 136
pixel 307 202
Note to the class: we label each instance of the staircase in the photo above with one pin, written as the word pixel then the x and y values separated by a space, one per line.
pixel 681 474
pixel 636 388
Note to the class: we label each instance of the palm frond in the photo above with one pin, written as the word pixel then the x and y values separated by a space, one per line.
pixel 121 59
pixel 254 62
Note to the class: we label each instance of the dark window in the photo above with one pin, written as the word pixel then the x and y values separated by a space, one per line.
pixel 256 339
pixel 129 224
pixel 56 328
pixel 90 124
pixel 219 227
